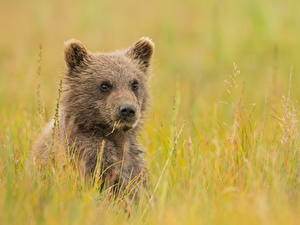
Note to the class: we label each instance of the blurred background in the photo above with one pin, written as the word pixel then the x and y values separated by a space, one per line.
pixel 204 50
pixel 224 100
pixel 197 42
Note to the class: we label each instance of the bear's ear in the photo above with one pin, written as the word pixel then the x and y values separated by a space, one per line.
pixel 142 52
pixel 76 55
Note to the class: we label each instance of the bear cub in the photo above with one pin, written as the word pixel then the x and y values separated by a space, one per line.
pixel 101 109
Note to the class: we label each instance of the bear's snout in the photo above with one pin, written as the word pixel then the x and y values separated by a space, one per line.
pixel 127 112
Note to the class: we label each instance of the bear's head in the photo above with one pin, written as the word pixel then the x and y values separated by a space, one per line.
pixel 106 90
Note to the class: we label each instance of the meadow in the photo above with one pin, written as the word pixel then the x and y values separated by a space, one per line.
pixel 221 135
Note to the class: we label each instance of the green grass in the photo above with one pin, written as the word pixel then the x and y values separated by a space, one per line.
pixel 222 133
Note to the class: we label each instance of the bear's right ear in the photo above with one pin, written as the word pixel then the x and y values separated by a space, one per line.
pixel 76 55
pixel 142 52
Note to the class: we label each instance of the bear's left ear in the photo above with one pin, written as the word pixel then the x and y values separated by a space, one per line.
pixel 76 54
pixel 141 52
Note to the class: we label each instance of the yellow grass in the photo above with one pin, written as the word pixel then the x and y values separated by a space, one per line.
pixel 222 134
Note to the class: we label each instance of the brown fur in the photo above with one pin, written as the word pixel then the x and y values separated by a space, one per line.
pixel 88 117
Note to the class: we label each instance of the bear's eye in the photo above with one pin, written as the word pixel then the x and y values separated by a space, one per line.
pixel 135 85
pixel 105 86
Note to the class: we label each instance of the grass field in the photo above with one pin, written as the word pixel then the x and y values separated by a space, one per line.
pixel 222 133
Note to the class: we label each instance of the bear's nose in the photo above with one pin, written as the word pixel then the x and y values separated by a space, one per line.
pixel 127 111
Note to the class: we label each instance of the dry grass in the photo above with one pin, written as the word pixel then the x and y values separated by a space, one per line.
pixel 222 134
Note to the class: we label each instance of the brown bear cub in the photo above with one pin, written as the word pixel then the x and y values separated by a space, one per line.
pixel 102 105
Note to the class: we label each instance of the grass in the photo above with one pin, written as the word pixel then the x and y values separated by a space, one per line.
pixel 222 134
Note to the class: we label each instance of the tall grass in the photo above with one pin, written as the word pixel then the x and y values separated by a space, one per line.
pixel 222 133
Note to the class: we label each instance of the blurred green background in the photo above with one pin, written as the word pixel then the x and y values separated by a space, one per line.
pixel 196 41
pixel 222 131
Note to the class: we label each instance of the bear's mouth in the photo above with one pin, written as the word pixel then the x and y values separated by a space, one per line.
pixel 128 125
pixel 124 125
pixel 127 128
